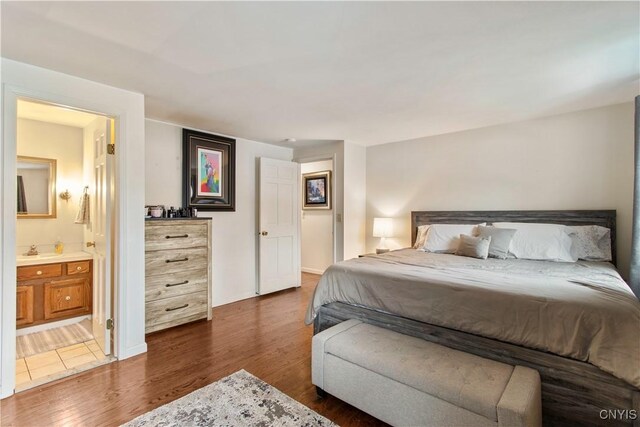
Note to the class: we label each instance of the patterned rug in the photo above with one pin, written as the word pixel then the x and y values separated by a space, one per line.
pixel 40 342
pixel 237 400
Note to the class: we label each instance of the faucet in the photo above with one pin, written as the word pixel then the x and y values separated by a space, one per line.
pixel 32 251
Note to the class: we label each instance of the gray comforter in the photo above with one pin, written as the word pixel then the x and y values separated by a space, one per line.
pixel 581 310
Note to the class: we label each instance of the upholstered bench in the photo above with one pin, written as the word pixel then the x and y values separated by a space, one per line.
pixel 407 381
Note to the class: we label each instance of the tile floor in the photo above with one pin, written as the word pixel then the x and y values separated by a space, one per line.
pixel 55 361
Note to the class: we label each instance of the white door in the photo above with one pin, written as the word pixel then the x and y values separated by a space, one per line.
pixel 101 224
pixel 279 225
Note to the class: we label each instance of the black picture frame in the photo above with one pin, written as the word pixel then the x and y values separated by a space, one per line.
pixel 209 171
pixel 316 190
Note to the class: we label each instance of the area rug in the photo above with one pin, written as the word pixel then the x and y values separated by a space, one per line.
pixel 40 342
pixel 237 400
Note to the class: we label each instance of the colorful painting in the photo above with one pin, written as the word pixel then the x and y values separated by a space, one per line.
pixel 317 190
pixel 209 172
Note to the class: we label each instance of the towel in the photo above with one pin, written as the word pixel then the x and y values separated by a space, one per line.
pixel 83 210
pixel 22 199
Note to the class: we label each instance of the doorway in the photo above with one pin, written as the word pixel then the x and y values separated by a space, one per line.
pixel 64 233
pixel 317 225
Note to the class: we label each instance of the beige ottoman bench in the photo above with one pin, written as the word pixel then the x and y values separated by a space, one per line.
pixel 407 381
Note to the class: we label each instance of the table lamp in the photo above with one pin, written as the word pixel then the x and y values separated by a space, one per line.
pixel 382 228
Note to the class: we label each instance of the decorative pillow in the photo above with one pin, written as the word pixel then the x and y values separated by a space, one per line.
pixel 444 238
pixel 421 236
pixel 545 242
pixel 591 242
pixel 475 247
pixel 500 240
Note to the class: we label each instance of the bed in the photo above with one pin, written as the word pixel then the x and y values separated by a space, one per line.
pixel 584 371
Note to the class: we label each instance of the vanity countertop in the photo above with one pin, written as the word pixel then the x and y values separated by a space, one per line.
pixel 51 258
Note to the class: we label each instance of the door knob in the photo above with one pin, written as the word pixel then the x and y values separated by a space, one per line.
pixel 89 244
pixel 264 233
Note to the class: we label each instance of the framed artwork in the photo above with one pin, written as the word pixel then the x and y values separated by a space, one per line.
pixel 209 167
pixel 317 190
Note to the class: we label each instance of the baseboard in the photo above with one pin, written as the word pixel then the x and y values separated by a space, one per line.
pixel 311 270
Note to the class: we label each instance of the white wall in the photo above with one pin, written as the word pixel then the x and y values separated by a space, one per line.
pixel 316 228
pixel 355 195
pixel 581 160
pixel 234 233
pixel 128 108
pixel 64 144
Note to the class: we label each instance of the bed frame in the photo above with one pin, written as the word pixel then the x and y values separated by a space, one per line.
pixel 573 392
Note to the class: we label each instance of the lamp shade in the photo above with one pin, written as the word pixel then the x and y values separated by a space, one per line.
pixel 382 227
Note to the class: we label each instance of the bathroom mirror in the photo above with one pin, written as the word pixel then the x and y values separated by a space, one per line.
pixel 36 187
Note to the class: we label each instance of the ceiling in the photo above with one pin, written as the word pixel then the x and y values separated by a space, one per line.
pixel 367 72
pixel 53 114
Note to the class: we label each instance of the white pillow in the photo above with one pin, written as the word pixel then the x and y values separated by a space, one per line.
pixel 445 238
pixel 591 242
pixel 421 236
pixel 545 242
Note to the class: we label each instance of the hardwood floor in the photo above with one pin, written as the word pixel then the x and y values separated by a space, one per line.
pixel 266 336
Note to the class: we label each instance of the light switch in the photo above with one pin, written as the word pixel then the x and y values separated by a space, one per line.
pixel 338 217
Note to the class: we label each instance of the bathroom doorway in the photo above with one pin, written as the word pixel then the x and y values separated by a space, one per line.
pixel 64 241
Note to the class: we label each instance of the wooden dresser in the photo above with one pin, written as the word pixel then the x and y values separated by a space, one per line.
pixel 177 272
pixel 55 291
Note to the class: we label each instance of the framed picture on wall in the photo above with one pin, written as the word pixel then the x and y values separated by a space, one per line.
pixel 316 190
pixel 209 168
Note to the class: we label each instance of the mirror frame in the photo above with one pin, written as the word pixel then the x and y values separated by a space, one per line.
pixel 53 210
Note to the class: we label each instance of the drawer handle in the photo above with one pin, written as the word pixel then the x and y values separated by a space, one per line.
pixel 39 272
pixel 67 298
pixel 78 268
pixel 182 236
pixel 168 285
pixel 176 308
pixel 177 260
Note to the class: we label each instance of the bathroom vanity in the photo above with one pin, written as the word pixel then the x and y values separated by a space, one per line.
pixel 52 288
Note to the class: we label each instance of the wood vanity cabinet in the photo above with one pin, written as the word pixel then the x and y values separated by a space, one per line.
pixel 49 292
pixel 177 272
pixel 24 305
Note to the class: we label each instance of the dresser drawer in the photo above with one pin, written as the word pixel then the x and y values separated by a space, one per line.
pixel 39 271
pixel 174 311
pixel 78 267
pixel 175 284
pixel 175 261
pixel 175 236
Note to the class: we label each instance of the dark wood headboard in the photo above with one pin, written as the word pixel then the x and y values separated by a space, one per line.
pixel 604 218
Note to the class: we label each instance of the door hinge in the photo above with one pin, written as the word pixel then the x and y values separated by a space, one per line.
pixel 109 323
pixel 111 149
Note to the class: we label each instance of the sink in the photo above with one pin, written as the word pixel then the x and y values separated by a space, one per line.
pixel 50 258
pixel 39 256
pixel 49 255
